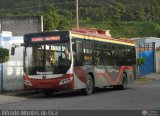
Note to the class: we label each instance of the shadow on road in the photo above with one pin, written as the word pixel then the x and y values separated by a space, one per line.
pixel 66 94
pixel 77 93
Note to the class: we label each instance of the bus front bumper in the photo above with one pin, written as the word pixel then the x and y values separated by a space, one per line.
pixel 60 83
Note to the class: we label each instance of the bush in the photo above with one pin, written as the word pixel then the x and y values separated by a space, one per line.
pixel 4 55
pixel 141 61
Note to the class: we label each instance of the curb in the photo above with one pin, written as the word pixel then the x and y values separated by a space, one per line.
pixel 19 93
pixel 144 79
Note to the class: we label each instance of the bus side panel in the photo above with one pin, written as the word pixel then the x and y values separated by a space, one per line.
pixel 133 75
pixel 129 72
pixel 101 77
pixel 80 76
pixel 107 75
pixel 110 76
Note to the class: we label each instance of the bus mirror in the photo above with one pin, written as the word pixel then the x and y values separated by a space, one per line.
pixel 12 50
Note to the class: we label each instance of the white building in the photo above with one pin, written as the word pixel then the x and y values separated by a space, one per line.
pixel 11 72
pixel 148 40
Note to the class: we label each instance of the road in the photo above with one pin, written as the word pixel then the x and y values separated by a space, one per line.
pixel 140 96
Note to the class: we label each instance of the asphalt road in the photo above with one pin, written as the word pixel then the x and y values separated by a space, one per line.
pixel 140 96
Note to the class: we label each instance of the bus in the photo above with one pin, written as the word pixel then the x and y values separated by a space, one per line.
pixel 82 59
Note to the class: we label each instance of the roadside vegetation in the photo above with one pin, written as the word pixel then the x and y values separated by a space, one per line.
pixel 4 55
pixel 125 18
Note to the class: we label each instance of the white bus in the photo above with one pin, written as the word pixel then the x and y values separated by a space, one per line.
pixel 79 59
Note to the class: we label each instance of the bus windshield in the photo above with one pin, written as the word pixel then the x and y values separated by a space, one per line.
pixel 47 59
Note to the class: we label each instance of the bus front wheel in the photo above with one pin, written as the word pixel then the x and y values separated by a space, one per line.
pixel 89 86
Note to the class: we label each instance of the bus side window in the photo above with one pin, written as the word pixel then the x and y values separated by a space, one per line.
pixel 74 47
pixel 78 53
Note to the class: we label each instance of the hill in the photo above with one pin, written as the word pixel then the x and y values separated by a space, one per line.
pixel 117 15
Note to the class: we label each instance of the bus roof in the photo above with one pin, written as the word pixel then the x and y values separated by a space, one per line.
pixel 99 35
pixel 82 33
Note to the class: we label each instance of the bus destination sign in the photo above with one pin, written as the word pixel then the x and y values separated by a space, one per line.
pixel 51 38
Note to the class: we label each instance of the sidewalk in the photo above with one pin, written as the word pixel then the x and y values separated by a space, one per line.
pixel 149 77
pixel 4 99
pixel 19 93
pixel 153 76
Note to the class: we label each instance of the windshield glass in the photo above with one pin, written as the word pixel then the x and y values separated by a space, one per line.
pixel 47 59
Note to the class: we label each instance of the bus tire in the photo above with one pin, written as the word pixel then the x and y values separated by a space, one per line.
pixel 48 92
pixel 124 84
pixel 89 85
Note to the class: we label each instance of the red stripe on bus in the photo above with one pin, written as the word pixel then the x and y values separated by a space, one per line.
pixel 80 73
pixel 109 78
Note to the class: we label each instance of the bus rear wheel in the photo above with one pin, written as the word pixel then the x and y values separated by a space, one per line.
pixel 89 86
pixel 124 84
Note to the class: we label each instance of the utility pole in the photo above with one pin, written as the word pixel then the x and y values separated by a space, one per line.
pixel 77 20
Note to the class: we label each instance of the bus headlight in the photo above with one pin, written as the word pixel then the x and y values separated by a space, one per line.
pixel 65 81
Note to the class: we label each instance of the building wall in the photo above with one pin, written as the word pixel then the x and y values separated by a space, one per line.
pixel 12 74
pixel 158 61
pixel 139 40
pixel 148 40
pixel 157 52
pixel 157 44
pixel 22 25
pixel 156 40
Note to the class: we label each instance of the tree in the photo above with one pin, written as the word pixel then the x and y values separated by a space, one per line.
pixel 64 24
pixel 53 21
pixel 4 55
pixel 159 35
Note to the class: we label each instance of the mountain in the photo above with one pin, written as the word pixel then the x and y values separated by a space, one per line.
pixel 97 10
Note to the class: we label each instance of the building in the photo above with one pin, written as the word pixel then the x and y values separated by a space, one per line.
pixel 12 30
pixel 145 42
pixel 21 25
pixel 148 40
pixel 11 73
